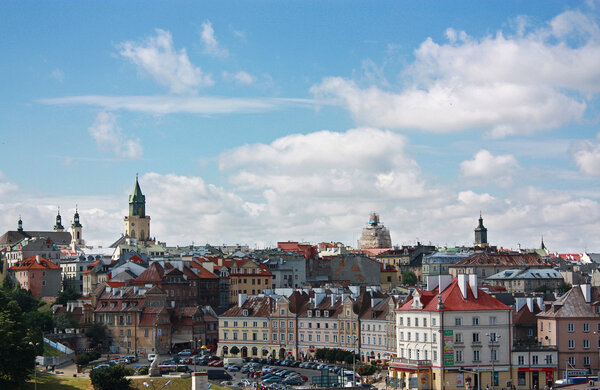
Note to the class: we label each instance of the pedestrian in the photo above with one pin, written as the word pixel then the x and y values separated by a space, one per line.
pixel 487 388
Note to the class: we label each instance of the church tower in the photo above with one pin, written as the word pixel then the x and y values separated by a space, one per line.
pixel 481 233
pixel 20 224
pixel 137 223
pixel 76 231
pixel 58 227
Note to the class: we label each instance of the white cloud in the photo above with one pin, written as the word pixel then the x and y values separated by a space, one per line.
pixel 487 168
pixel 504 84
pixel 172 68
pixel 211 46
pixel 109 137
pixel 161 105
pixel 587 156
pixel 240 77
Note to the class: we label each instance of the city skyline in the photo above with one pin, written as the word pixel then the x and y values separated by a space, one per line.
pixel 254 123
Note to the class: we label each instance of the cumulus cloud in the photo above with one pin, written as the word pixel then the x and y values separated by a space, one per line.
pixel 508 83
pixel 109 137
pixel 487 168
pixel 240 77
pixel 211 46
pixel 157 57
pixel 587 156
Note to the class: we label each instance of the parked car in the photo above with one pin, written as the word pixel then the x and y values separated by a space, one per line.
pixel 273 379
pixel 218 374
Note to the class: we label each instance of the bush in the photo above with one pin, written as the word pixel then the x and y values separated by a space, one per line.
pixel 143 370
pixel 367 370
pixel 111 378
pixel 86 358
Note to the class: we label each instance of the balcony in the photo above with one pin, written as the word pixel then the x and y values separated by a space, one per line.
pixel 411 362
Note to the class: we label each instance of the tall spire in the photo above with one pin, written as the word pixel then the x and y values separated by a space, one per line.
pixel 20 224
pixel 543 246
pixel 58 227
pixel 481 233
pixel 76 222
pixel 137 201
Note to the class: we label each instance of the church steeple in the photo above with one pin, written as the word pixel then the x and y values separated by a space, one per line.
pixel 481 233
pixel 76 223
pixel 543 246
pixel 58 227
pixel 137 201
pixel 20 225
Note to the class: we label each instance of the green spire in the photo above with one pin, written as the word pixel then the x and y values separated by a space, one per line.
pixel 58 226
pixel 137 201
pixel 76 222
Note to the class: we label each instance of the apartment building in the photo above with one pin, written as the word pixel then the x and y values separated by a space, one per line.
pixel 38 275
pixel 450 335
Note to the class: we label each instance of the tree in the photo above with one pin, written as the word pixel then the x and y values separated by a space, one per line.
pixel 409 278
pixel 234 350
pixel 63 321
pixel 110 378
pixel 66 296
pixel 17 356
pixel 563 287
pixel 330 355
pixel 7 283
pixel 97 334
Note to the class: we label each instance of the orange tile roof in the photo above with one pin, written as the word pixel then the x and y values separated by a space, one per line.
pixel 31 263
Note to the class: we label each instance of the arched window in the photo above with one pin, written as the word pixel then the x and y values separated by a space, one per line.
pixel 133 233
pixel 142 235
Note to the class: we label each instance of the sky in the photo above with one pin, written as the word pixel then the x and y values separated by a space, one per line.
pixel 265 121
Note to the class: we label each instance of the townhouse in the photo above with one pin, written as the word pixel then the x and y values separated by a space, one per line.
pixel 451 335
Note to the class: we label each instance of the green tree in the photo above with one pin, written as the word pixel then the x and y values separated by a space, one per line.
pixel 409 278
pixel 234 350
pixel 7 283
pixel 563 287
pixel 41 320
pixel 97 334
pixel 110 378
pixel 331 355
pixel 17 356
pixel 367 370
pixel 63 321
pixel 66 296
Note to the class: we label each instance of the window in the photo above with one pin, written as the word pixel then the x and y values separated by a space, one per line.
pixel 529 332
pixel 535 360
pixel 435 337
pixel 275 324
pixel 265 337
pixel 407 321
pixel 458 338
pixel 245 312
pixel 476 356
pixel 586 344
pixel 225 324
pixel 571 327
pixel 301 336
pixel 571 344
pixel 416 321
pixel 291 324
pixel 274 336
pixel 475 320
pixel 235 335
pixel 433 321
pixel 521 360
pixel 458 321
pixel 493 337
pixel 459 356
pixel 548 359
pixel 435 356
pixel 571 360
pixel 401 336
pixel 244 336
pixel 492 320
pixel 586 360
pixel 586 327
pixel 475 337
pixel 245 324
pixel 401 319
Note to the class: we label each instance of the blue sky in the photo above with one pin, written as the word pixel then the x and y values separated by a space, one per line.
pixel 255 122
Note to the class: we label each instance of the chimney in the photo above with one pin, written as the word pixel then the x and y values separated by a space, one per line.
pixel 540 302
pixel 241 299
pixel 462 285
pixel 432 282
pixel 333 299
pixel 519 303
pixel 444 281
pixel 38 259
pixel 473 284
pixel 586 289
pixel 530 304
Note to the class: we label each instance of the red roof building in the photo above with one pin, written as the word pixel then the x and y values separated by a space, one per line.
pixel 39 275
pixel 450 328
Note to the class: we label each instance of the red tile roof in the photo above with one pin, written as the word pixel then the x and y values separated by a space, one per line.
pixel 31 263
pixel 203 273
pixel 453 300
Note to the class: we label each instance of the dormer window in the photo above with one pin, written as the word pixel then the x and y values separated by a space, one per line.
pixel 326 312
pixel 310 313
pixel 245 312
pixel 318 313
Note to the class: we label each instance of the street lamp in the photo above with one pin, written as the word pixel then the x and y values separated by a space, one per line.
pixel 35 345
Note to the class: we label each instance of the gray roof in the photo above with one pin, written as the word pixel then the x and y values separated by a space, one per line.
pixel 527 273
pixel 11 237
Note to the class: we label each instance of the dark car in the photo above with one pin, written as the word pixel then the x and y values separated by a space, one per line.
pixel 218 374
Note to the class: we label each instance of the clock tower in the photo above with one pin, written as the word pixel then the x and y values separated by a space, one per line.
pixel 137 223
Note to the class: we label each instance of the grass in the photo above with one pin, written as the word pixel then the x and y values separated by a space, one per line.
pixel 50 351
pixel 52 382
pixel 177 384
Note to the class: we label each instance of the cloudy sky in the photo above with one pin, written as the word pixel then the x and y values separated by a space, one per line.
pixel 257 122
